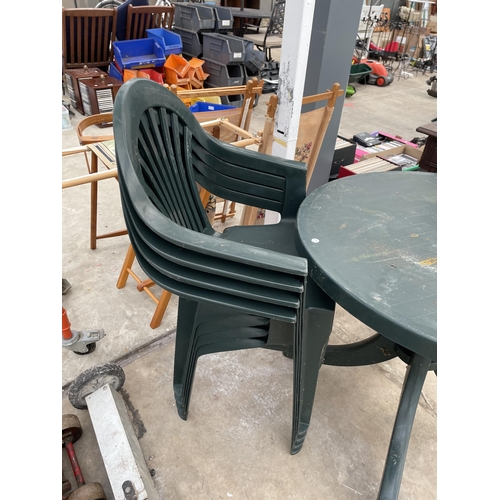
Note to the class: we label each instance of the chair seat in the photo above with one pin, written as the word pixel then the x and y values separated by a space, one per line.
pixel 271 41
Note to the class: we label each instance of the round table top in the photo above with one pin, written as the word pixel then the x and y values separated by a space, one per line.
pixel 371 240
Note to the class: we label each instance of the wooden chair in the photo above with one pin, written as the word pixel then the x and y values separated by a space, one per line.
pixel 142 18
pixel 87 36
pixel 273 36
pixel 312 128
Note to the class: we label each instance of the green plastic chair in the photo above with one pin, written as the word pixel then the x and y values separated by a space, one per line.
pixel 244 288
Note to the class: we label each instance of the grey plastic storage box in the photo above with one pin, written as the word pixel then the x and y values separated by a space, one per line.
pixel 223 19
pixel 191 43
pixel 255 60
pixel 194 16
pixel 225 49
pixel 223 75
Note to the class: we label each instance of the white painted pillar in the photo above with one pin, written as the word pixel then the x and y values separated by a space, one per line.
pixel 297 31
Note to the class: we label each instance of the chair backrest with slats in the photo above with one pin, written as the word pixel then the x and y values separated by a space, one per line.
pixel 277 19
pixel 87 36
pixel 142 18
pixel 161 154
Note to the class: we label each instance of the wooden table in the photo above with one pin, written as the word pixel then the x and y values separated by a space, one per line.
pixel 429 155
pixel 371 245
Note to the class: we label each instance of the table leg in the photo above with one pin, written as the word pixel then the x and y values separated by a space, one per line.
pixel 396 455
pixel 93 204
pixel 375 349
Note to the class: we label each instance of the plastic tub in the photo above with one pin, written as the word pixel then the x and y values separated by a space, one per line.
pixel 359 72
pixel 223 19
pixel 222 75
pixel 225 49
pixel 191 43
pixel 194 17
pixel 136 54
pixel 208 106
pixel 170 42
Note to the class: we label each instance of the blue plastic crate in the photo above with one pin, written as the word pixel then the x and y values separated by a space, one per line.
pixel 208 106
pixel 138 54
pixel 115 72
pixel 170 42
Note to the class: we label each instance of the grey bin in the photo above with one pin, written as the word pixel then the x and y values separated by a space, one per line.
pixel 194 17
pixel 191 43
pixel 223 19
pixel 223 75
pixel 224 49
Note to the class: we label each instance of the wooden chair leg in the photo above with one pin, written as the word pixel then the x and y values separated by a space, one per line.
pixel 93 205
pixel 160 309
pixel 144 285
pixel 127 264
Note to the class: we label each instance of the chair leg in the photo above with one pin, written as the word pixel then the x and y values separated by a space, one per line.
pixel 127 264
pixel 160 309
pixel 161 303
pixel 184 346
pixel 93 205
pixel 416 372
pixel 309 348
pixel 205 329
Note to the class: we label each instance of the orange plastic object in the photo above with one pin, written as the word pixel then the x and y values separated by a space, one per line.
pixel 143 74
pixel 178 64
pixel 128 74
pixel 66 326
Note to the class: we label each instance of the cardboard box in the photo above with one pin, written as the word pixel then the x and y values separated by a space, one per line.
pixel 345 170
pixel 404 148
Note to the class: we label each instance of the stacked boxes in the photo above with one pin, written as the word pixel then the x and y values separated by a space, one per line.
pixel 229 60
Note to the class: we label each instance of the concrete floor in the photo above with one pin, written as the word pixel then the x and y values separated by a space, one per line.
pixel 235 442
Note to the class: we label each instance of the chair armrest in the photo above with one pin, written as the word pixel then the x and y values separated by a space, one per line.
pixel 249 177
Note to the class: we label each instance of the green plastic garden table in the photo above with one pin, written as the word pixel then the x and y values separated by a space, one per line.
pixel 371 243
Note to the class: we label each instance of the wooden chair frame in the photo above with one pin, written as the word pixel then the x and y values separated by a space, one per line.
pixel 308 119
pixel 142 18
pixel 87 36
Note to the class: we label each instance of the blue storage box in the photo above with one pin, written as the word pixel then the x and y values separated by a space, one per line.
pixel 208 106
pixel 138 54
pixel 115 72
pixel 170 42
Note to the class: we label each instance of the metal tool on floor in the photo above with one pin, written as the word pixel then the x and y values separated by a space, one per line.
pixel 71 433
pixel 80 342
pixel 96 389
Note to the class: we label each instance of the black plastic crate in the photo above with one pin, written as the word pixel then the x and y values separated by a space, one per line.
pixel 223 19
pixel 343 155
pixel 224 49
pixel 223 75
pixel 194 16
pixel 192 45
